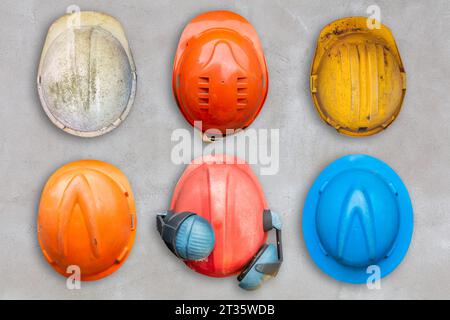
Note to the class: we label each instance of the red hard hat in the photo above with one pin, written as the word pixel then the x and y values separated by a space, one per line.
pixel 224 191
pixel 220 73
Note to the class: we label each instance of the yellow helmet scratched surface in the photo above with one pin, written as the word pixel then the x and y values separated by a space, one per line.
pixel 357 77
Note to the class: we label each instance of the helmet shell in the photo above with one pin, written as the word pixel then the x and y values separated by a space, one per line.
pixel 358 81
pixel 86 77
pixel 224 191
pixel 87 218
pixel 220 74
pixel 357 214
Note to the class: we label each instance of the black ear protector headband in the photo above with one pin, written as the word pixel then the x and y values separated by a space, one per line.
pixel 266 263
pixel 267 268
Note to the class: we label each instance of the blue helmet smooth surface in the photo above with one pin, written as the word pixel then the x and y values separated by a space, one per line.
pixel 195 238
pixel 357 214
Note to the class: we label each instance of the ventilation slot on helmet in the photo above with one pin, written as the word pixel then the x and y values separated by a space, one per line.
pixel 203 80
pixel 241 103
pixel 203 93
pixel 242 93
pixel 203 103
pixel 242 80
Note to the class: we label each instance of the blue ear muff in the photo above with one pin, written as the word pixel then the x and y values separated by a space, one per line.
pixel 267 261
pixel 195 238
pixel 187 235
pixel 256 274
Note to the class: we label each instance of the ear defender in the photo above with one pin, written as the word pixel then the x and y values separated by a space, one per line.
pixel 267 261
pixel 227 234
pixel 186 234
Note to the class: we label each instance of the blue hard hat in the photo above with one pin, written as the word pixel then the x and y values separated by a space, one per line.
pixel 357 215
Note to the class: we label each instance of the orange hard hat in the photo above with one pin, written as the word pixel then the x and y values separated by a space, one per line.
pixel 220 73
pixel 87 218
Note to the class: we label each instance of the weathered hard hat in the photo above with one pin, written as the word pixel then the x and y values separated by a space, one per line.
pixel 220 73
pixel 217 206
pixel 357 216
pixel 87 218
pixel 357 79
pixel 87 77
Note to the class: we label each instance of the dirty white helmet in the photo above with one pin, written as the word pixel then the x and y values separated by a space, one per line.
pixel 87 77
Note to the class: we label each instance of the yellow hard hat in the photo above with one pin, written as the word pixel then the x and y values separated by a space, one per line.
pixel 357 77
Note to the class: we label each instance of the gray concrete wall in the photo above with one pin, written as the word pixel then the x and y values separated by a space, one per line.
pixel 416 146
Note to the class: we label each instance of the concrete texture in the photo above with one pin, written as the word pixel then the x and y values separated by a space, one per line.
pixel 416 146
